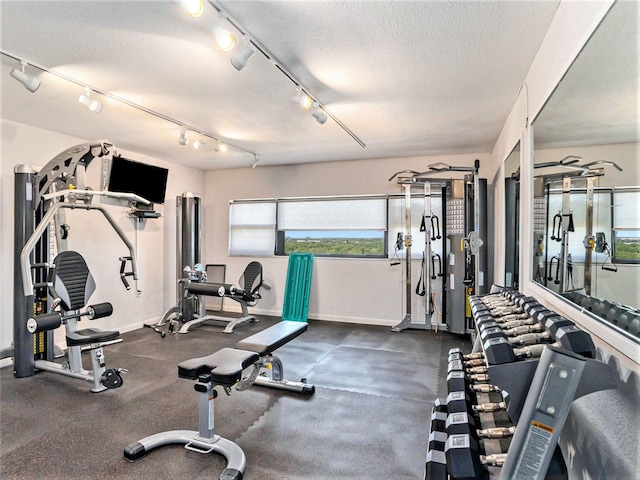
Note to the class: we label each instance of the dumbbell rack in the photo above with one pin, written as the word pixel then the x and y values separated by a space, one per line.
pixel 512 394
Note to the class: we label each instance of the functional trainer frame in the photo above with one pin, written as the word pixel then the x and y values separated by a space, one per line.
pixel 590 173
pixel 473 264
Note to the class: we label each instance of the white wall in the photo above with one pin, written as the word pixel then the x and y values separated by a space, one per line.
pixel 588 451
pixel 91 235
pixel 354 290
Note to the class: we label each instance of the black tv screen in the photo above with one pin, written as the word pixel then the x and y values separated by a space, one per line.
pixel 147 181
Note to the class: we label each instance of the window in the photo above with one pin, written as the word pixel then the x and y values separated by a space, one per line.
pixel 252 228
pixel 368 243
pixel 337 227
pixel 328 226
pixel 626 226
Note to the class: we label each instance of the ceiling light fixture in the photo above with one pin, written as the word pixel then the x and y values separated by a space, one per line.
pixel 199 143
pixel 224 38
pixel 221 147
pixel 256 160
pixel 320 116
pixel 183 137
pixel 30 83
pixel 93 104
pixel 195 8
pixel 302 99
pixel 239 60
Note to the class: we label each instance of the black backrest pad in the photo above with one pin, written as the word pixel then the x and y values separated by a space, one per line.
pixel 72 281
pixel 251 279
pixel 274 337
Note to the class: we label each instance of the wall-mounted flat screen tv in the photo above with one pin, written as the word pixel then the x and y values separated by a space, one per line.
pixel 147 181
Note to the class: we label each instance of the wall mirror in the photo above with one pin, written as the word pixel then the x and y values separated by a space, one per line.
pixel 512 220
pixel 586 178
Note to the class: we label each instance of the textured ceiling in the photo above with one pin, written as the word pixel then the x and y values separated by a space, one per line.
pixel 406 77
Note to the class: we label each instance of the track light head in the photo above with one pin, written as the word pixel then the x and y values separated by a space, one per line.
pixel 302 99
pixel 30 83
pixel 93 104
pixel 224 38
pixel 221 147
pixel 194 8
pixel 183 137
pixel 198 143
pixel 320 117
pixel 239 60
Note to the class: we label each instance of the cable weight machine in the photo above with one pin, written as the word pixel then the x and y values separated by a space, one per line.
pixel 430 225
pixel 463 263
pixel 41 197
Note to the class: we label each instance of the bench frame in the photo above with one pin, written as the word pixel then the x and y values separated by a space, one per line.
pixel 267 371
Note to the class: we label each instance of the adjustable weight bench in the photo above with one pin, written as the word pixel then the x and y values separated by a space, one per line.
pixel 225 368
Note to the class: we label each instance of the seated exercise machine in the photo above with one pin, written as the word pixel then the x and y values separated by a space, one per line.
pixel 194 287
pixel 71 287
pixel 225 368
pixel 43 284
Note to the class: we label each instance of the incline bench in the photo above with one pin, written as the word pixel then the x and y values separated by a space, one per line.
pixel 224 368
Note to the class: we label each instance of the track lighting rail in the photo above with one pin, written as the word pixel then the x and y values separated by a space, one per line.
pixel 276 63
pixel 184 126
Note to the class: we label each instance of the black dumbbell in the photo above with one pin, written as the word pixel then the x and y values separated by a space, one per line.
pixel 463 458
pixel 523 329
pixel 438 418
pixel 436 465
pixel 460 381
pixel 461 402
pixel 463 423
pixel 468 356
pixel 569 338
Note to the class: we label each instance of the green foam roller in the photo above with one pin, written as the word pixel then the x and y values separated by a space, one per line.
pixel 298 288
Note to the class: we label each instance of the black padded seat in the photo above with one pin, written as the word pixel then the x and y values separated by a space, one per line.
pixel 274 337
pixel 225 366
pixel 88 336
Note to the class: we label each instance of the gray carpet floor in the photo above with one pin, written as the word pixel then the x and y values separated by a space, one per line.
pixel 368 418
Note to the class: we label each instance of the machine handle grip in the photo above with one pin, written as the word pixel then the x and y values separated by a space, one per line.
pixel 99 310
pixel 123 274
pixel 41 323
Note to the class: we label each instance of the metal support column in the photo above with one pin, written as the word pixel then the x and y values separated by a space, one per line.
pixel 406 321
pixel 426 273
pixel 589 240
pixel 566 222
pixel 187 233
pixel 24 362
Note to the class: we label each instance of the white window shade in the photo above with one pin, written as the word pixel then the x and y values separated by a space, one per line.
pixel 252 228
pixel 626 210
pixel 361 214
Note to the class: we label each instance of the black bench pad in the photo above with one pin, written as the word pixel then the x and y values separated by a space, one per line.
pixel 225 366
pixel 88 336
pixel 274 337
